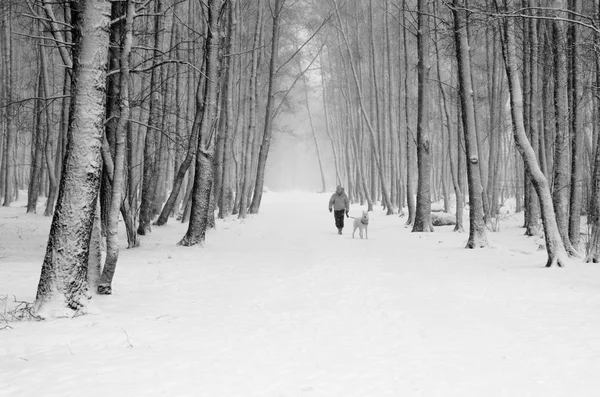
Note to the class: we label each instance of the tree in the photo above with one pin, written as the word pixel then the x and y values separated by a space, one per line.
pixel 268 124
pixel 152 140
pixel 204 177
pixel 562 180
pixel 63 287
pixel 554 244
pixel 422 221
pixel 112 234
pixel 477 234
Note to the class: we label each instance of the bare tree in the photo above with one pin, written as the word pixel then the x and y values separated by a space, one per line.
pixel 422 221
pixel 204 177
pixel 63 287
pixel 554 243
pixel 477 234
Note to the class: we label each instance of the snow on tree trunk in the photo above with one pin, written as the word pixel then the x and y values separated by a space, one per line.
pixel 561 193
pixel 112 234
pixel 203 180
pixel 593 250
pixel 576 131
pixel 63 286
pixel 422 221
pixel 533 213
pixel 477 234
pixel 554 244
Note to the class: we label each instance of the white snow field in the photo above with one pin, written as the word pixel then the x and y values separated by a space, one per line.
pixel 281 305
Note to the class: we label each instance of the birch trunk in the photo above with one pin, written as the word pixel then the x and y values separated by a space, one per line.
pixel 63 287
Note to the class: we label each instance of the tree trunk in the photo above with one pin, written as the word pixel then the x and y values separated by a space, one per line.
pixel 554 245
pixel 477 234
pixel 410 138
pixel 178 179
pixel 423 209
pixel 11 133
pixel 593 249
pixel 150 178
pixel 112 235
pixel 36 158
pixel 533 212
pixel 268 125
pixel 562 181
pixel 203 181
pixel 227 116
pixel 50 166
pixel 313 131
pixel 63 286
pixel 576 134
pixel 250 133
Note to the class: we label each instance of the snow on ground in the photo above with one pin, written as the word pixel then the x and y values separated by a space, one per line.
pixel 280 305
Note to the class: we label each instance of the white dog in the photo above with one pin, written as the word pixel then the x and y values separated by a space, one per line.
pixel 360 224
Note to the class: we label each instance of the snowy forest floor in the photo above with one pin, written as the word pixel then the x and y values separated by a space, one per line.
pixel 281 305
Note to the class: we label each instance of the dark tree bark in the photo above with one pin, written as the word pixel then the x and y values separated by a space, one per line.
pixel 36 159
pixel 423 209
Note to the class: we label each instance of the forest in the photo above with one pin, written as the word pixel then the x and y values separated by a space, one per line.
pixel 144 112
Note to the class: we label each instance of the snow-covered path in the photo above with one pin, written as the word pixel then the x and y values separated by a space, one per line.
pixel 280 305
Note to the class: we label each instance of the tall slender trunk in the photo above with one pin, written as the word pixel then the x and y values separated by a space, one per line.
pixel 554 245
pixel 63 287
pixel 150 175
pixel 227 117
pixel 313 132
pixel 118 179
pixel 11 133
pixel 251 132
pixel 477 233
pixel 204 178
pixel 50 166
pixel 533 212
pixel 36 158
pixel 268 124
pixel 561 145
pixel 410 138
pixel 576 133
pixel 338 177
pixel 593 249
pixel 423 209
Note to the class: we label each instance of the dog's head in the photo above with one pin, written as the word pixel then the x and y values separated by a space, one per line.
pixel 365 217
